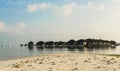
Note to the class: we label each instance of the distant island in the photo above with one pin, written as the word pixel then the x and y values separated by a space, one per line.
pixel 89 43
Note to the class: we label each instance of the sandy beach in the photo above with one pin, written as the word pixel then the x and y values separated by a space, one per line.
pixel 63 62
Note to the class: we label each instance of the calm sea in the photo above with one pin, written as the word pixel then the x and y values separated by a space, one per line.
pixel 14 51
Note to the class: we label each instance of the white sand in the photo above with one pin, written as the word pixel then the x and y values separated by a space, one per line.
pixel 63 62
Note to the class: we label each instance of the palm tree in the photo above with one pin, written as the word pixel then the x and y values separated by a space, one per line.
pixel 112 43
pixel 56 44
pixel 21 45
pixel 49 44
pixel 71 43
pixel 31 43
pixel 61 44
pixel 25 44
pixel 80 42
pixel 89 42
pixel 97 43
pixel 40 44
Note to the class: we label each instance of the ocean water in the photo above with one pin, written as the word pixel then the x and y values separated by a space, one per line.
pixel 15 51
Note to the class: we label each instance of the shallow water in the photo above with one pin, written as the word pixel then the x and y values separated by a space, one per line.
pixel 14 51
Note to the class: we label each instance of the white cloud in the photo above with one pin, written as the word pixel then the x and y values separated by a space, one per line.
pixel 90 5
pixel 2 25
pixel 101 7
pixel 116 1
pixel 115 14
pixel 32 8
pixel 35 7
pixel 12 28
pixel 118 6
pixel 21 26
pixel 44 6
pixel 66 10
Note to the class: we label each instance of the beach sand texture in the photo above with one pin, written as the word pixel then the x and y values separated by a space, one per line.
pixel 63 62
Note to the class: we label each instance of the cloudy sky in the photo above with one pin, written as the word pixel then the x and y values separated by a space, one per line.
pixel 25 20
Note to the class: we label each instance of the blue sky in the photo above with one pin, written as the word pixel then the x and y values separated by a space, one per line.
pixel 25 20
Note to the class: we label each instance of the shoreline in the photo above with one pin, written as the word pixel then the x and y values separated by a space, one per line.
pixel 63 62
pixel 22 57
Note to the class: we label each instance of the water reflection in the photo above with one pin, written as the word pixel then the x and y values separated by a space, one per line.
pixel 30 48
pixel 70 48
pixel 40 48
pixel 14 51
pixel 81 49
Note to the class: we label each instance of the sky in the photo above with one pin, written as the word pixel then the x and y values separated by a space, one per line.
pixel 34 20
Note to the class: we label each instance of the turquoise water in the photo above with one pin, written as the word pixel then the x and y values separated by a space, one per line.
pixel 14 51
